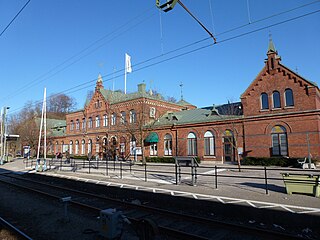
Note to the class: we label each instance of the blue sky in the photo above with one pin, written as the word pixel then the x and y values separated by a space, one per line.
pixel 64 45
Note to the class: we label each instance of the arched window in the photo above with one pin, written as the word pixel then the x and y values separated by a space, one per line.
pixel 83 146
pixel 105 120
pixel 264 101
pixel 192 144
pixel 133 145
pixel 83 123
pixel 57 147
pixel 90 146
pixel 122 146
pixel 76 150
pixel 209 144
pixel 90 122
pixel 113 119
pixel 276 99
pixel 279 141
pixel 288 96
pixel 97 121
pixel 167 145
pixel 123 117
pixel 71 147
pixel 71 125
pixel 133 116
pixel 77 124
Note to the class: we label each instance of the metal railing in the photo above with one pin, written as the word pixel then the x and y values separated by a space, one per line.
pixel 213 176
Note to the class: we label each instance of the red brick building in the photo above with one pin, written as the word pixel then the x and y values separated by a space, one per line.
pixel 279 115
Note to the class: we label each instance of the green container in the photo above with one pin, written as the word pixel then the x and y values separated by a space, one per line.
pixel 302 183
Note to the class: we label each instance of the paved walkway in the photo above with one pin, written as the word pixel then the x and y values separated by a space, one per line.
pixel 230 190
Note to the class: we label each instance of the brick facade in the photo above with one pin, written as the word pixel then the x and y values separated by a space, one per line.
pixel 280 115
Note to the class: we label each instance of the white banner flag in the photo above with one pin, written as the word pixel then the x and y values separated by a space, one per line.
pixel 128 64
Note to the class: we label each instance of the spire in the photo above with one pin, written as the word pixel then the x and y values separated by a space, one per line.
pixel 100 78
pixel 273 58
pixel 99 83
pixel 271 47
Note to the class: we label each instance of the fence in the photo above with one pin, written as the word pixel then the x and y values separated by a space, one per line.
pixel 214 176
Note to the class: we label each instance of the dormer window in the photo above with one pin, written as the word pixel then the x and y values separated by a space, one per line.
pixel 276 99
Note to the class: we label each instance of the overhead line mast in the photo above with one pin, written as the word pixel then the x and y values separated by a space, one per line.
pixel 169 5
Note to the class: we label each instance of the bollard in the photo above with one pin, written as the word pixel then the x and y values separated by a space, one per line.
pixel 145 172
pixel 121 170
pixel 176 173
pixel 266 180
pixel 216 176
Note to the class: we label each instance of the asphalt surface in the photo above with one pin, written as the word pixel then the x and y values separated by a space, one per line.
pixel 233 186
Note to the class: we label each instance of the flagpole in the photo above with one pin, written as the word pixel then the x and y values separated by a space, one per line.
pixel 45 124
pixel 125 79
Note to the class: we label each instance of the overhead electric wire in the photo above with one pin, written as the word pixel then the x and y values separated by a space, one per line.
pixel 14 18
pixel 266 18
pixel 43 78
pixel 233 29
pixel 182 54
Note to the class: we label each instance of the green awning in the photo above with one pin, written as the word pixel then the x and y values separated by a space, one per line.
pixel 152 138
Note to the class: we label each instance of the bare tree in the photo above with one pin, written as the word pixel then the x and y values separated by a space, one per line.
pixel 232 111
pixel 139 126
pixel 61 103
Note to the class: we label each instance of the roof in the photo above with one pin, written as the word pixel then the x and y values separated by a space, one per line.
pixel 198 115
pixel 183 102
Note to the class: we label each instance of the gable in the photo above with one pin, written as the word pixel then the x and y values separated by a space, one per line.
pixel 280 79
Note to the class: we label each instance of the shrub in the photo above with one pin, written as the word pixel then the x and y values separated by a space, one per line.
pixel 165 159
pixel 160 159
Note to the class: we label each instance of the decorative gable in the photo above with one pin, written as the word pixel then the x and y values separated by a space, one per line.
pixel 278 89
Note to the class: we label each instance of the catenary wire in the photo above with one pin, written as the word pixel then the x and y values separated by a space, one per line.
pixel 74 89
pixel 43 76
pixel 14 18
pixel 233 29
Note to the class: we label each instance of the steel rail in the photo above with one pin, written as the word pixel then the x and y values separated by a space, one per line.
pixel 191 218
pixel 14 229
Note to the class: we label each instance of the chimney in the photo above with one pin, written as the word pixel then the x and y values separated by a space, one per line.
pixel 142 88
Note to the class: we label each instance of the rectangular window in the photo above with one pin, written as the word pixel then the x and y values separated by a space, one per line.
pixel 168 147
pixel 275 145
pixel 105 120
pixel 97 121
pixel 192 147
pixel 153 150
pixel 209 146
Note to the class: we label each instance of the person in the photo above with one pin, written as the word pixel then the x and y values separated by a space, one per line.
pixel 67 157
pixel 89 156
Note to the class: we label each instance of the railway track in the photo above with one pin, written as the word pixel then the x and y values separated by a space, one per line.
pixel 148 220
pixel 11 231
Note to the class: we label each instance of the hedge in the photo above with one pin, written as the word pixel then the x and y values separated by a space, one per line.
pixel 270 161
pixel 165 159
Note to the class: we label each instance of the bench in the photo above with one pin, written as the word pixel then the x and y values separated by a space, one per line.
pixel 304 165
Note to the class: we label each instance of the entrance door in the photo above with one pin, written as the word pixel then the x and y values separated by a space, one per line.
pixel 228 149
